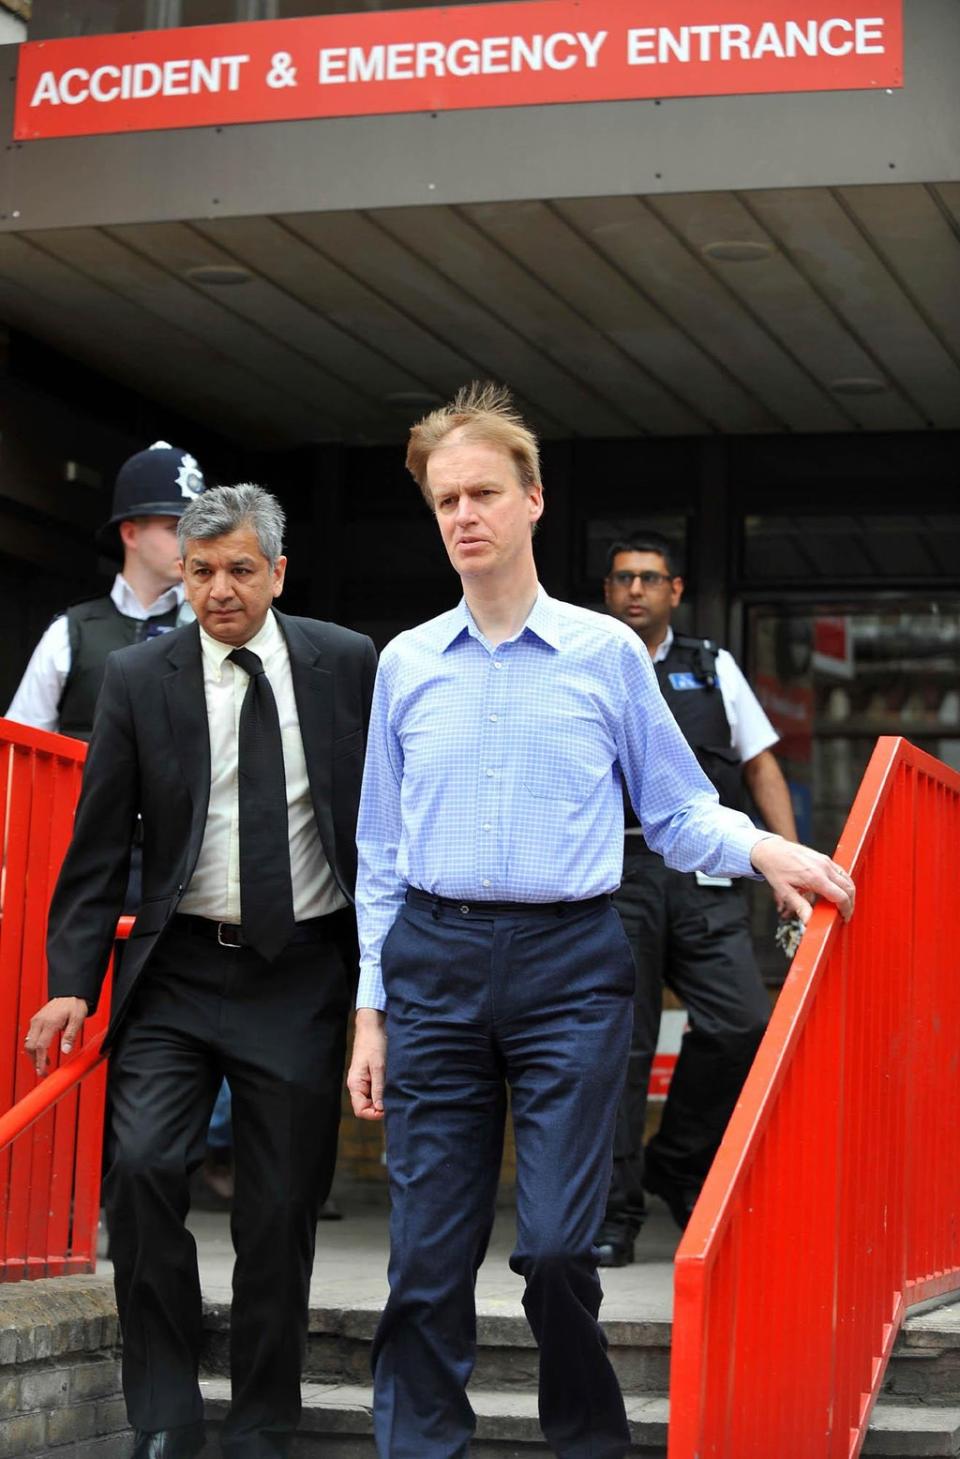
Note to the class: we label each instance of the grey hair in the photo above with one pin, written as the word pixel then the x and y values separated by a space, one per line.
pixel 224 509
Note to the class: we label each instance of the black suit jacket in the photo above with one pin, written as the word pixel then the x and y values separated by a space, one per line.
pixel 150 756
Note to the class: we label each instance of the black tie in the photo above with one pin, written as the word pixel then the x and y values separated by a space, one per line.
pixel 266 892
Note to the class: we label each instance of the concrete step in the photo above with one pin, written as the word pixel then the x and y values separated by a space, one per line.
pixel 906 1431
pixel 918 1414
pixel 338 1349
pixel 59 1381
pixel 925 1365
pixel 924 1368
pixel 337 1424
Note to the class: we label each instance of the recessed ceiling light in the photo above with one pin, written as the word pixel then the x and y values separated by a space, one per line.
pixel 737 250
pixel 858 385
pixel 612 227
pixel 218 275
pixel 413 397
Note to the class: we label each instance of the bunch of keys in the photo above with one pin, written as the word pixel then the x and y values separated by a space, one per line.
pixel 787 936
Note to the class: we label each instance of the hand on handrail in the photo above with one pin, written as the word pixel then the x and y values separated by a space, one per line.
pixel 62 1016
pixel 797 874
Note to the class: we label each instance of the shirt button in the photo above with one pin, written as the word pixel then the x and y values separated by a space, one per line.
pixel 487 883
pixel 494 718
pixel 487 826
pixel 490 774
pixel 497 664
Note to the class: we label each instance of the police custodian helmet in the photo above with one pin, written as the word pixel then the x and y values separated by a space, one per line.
pixel 159 482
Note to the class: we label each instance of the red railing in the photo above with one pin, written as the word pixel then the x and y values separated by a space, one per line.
pixel 833 1202
pixel 51 1133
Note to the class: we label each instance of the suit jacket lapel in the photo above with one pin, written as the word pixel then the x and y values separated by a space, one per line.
pixel 313 691
pixel 187 705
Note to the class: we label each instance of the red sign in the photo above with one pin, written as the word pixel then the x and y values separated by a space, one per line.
pixel 833 647
pixel 789 708
pixel 528 54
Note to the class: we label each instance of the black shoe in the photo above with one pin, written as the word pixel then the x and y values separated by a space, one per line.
pixel 217 1173
pixel 679 1199
pixel 614 1246
pixel 180 1443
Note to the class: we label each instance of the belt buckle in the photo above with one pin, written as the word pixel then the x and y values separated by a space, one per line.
pixel 220 927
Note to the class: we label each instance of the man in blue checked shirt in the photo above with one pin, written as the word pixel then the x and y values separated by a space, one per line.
pixel 490 839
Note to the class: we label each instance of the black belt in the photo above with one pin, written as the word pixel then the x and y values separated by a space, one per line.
pixel 417 898
pixel 635 845
pixel 230 934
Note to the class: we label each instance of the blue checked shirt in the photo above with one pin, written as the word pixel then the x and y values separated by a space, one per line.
pixel 495 774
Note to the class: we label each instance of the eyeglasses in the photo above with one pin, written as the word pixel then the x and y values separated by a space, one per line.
pixel 624 579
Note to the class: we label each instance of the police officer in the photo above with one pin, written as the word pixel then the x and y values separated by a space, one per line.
pixel 60 686
pixel 689 931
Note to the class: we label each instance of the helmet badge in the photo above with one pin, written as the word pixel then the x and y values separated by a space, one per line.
pixel 189 478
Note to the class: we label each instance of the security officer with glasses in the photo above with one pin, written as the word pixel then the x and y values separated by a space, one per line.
pixel 59 689
pixel 687 930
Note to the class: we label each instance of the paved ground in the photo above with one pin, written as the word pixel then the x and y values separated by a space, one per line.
pixel 350 1266
pixel 350 1269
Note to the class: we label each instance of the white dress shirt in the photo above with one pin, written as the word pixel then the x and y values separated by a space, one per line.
pixel 750 730
pixel 214 889
pixel 37 700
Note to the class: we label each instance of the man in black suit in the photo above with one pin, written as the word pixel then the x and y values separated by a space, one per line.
pixel 238 740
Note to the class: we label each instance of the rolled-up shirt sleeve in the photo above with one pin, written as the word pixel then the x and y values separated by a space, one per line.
pixel 380 890
pixel 677 806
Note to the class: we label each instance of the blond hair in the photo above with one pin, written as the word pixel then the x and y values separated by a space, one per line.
pixel 486 414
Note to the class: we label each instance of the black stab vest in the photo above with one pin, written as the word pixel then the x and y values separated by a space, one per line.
pixel 96 627
pixel 688 682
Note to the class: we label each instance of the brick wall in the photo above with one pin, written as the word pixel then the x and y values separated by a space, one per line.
pixel 60 1371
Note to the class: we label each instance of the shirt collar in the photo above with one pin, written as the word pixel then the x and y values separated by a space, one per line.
pixel 125 600
pixel 541 621
pixel 262 643
pixel 664 648
pixel 544 620
pixel 453 625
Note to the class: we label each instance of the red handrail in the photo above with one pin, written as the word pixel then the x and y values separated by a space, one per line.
pixel 51 1134
pixel 832 1202
pixel 65 1076
pixel 40 1100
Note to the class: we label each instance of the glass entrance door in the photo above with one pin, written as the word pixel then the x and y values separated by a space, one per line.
pixel 833 676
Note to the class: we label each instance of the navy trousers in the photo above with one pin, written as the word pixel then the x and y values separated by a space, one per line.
pixel 477 1003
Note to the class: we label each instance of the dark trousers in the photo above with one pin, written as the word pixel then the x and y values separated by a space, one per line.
pixel 476 1003
pixel 277 1032
pixel 696 939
